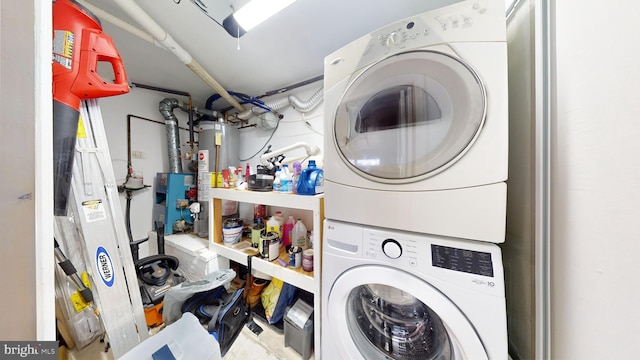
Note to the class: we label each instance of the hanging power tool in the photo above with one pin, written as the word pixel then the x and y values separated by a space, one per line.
pixel 78 46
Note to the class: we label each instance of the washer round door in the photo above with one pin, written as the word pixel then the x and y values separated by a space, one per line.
pixel 371 316
pixel 409 116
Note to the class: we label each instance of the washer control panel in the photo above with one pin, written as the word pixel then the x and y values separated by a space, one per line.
pixel 413 252
pixel 406 251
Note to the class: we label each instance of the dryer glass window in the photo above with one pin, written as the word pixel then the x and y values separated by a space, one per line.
pixel 386 322
pixel 410 116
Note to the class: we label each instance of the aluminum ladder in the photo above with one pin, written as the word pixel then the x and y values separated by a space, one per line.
pixel 94 208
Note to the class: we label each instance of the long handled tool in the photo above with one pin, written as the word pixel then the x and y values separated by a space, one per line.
pixel 251 325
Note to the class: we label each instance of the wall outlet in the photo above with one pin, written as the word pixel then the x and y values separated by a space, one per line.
pixel 137 155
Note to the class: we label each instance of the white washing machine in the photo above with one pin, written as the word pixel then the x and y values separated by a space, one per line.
pixel 416 128
pixel 399 295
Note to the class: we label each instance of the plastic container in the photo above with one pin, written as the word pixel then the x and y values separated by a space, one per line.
pixel 232 231
pixel 299 235
pixel 301 340
pixel 183 340
pixel 297 170
pixel 277 181
pixel 280 217
pixel 286 180
pixel 311 181
pixel 274 224
pixel 287 231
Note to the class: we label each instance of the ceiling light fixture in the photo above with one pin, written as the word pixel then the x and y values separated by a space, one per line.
pixel 252 14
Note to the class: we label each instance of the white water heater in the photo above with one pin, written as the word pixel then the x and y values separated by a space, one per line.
pixel 228 154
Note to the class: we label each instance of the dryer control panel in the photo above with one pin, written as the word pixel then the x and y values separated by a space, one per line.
pixel 467 21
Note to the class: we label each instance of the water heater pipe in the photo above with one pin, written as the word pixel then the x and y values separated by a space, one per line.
pixel 166 107
pixel 160 36
pixel 173 135
pixel 311 150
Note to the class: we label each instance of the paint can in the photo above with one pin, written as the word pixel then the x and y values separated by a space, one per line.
pixel 270 245
pixel 295 257
pixel 307 260
pixel 256 230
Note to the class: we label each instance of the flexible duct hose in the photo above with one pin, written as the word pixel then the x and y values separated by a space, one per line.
pixel 299 105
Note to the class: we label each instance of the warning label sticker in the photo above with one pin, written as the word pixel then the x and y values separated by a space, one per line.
pixel 63 42
pixel 94 210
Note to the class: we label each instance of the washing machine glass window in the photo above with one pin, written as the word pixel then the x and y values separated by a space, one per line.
pixel 386 322
pixel 409 116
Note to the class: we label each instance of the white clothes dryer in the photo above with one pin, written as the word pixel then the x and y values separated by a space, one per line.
pixel 416 128
pixel 400 295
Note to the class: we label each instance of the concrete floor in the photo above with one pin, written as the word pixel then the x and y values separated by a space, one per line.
pixel 269 345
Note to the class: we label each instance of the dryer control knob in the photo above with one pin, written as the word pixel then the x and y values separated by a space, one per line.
pixel 392 39
pixel 392 248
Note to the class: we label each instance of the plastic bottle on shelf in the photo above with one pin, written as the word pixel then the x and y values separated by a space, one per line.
pixel 311 181
pixel 287 231
pixel 286 180
pixel 275 225
pixel 280 218
pixel 276 181
pixel 299 235
pixel 297 169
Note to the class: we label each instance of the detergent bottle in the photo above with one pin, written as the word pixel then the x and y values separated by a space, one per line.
pixel 311 181
pixel 297 169
pixel 277 183
pixel 286 180
pixel 288 229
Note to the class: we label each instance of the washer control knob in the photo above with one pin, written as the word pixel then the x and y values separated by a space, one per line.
pixel 392 248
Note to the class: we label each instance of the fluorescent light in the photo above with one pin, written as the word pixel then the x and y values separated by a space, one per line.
pixel 257 11
pixel 252 14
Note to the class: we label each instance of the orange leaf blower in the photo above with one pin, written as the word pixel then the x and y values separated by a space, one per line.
pixel 79 45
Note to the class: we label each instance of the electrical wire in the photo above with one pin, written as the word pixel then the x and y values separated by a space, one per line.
pixel 265 144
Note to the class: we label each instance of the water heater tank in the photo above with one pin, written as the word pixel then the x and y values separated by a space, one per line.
pixel 229 146
pixel 229 155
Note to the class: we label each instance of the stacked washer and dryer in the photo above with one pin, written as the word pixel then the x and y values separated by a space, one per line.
pixel 416 146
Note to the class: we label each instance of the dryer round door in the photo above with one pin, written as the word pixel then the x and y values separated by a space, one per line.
pixel 409 116
pixel 370 316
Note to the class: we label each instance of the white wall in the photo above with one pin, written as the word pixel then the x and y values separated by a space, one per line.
pixel 147 138
pixel 293 128
pixel 26 246
pixel 150 139
pixel 596 182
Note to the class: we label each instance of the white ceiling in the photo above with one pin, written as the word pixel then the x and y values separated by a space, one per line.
pixel 287 49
